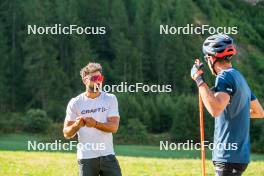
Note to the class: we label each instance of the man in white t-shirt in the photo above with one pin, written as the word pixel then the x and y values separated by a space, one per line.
pixel 94 116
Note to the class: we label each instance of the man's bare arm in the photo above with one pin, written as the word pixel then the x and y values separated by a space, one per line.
pixel 215 103
pixel 71 127
pixel 256 110
pixel 110 126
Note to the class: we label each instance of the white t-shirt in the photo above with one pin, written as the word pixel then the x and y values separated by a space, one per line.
pixel 93 142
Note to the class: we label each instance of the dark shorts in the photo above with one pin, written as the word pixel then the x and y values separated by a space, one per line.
pixel 229 169
pixel 103 166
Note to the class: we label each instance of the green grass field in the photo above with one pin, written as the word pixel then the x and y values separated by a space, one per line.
pixel 134 161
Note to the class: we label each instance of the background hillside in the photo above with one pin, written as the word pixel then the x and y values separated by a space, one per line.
pixel 42 71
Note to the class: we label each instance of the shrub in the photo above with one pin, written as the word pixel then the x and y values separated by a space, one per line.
pixel 134 132
pixel 56 111
pixel 37 121
pixel 256 135
pixel 185 124
pixel 12 122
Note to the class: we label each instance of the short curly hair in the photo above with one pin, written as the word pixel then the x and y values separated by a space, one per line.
pixel 91 67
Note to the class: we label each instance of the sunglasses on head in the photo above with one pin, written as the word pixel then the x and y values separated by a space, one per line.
pixel 95 78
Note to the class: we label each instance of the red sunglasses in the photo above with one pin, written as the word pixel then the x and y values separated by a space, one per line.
pixel 95 78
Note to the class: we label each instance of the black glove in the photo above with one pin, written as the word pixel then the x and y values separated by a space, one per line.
pixel 197 72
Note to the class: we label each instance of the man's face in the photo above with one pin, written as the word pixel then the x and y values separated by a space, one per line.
pixel 210 60
pixel 93 81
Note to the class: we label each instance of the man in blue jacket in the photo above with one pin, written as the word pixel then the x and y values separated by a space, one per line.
pixel 231 102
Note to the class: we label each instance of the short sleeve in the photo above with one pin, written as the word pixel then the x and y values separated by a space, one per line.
pixel 224 84
pixel 253 97
pixel 71 111
pixel 113 107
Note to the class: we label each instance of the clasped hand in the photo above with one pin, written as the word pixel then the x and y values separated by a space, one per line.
pixel 85 121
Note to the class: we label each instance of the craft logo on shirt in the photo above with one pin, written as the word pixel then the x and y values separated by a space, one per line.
pixel 86 111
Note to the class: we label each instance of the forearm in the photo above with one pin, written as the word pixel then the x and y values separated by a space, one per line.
pixel 256 115
pixel 256 109
pixel 109 127
pixel 70 131
pixel 209 99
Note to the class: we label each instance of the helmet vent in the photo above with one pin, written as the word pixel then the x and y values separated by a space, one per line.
pixel 228 42
pixel 218 46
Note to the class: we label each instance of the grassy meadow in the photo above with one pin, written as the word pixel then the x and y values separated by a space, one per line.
pixel 134 160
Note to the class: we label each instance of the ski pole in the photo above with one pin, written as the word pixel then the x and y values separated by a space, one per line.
pixel 202 134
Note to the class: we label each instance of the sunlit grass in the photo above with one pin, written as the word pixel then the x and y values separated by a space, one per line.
pixel 134 160
pixel 52 163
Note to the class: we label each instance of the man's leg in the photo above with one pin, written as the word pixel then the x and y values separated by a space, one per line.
pixel 109 166
pixel 89 167
pixel 229 169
